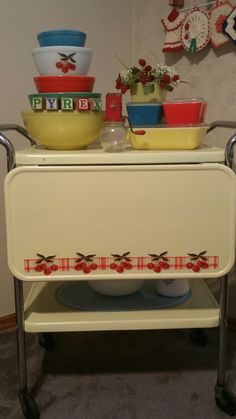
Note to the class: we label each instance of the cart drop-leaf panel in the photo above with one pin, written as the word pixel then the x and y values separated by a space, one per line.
pixel 84 222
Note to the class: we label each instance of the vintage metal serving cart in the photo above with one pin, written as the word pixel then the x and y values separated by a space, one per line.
pixel 65 207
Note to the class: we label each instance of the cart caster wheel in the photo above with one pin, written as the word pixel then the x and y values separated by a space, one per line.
pixel 29 407
pixel 199 336
pixel 46 340
pixel 226 401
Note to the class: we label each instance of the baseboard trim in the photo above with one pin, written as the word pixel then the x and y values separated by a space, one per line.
pixel 8 321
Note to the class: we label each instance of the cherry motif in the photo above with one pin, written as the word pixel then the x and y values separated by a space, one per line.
pixel 85 263
pixel 121 262
pixel 47 270
pixel 158 262
pixel 197 261
pixel 66 63
pixel 45 264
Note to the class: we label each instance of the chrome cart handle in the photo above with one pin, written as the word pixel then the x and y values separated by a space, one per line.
pixel 229 151
pixel 10 152
pixel 18 128
pixel 8 144
pixel 221 124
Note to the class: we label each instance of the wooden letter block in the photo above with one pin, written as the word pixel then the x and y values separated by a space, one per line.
pixel 67 104
pixel 37 103
pixel 95 104
pixel 82 104
pixel 52 104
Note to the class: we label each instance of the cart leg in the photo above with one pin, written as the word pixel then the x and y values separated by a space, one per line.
pixel 46 340
pixel 199 336
pixel 224 398
pixel 28 405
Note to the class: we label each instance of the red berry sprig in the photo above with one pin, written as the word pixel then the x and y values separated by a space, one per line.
pixel 158 262
pixel 120 85
pixel 85 263
pixel 121 262
pixel 197 261
pixel 66 62
pixel 45 264
pixel 147 75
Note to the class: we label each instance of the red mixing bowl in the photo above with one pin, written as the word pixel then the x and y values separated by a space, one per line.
pixel 61 84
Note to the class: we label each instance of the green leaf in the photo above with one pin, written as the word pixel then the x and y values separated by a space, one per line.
pixel 148 88
pixel 126 254
pixel 41 256
pixel 80 254
pixel 163 253
pixel 63 55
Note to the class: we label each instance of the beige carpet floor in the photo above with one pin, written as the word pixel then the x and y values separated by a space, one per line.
pixel 117 375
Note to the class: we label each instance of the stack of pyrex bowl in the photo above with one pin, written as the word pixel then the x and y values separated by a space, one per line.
pixel 66 114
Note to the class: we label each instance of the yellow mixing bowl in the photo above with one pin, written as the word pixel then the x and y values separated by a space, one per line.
pixel 63 131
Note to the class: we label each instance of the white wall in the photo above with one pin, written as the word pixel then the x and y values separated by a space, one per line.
pixel 108 27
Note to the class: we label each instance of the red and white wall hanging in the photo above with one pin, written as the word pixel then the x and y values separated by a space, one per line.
pixel 229 26
pixel 195 30
pixel 218 14
pixel 172 28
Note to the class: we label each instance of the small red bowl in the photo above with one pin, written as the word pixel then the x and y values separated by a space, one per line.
pixel 61 84
pixel 185 111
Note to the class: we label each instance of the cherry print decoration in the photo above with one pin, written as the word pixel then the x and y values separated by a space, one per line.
pixel 45 264
pixel 158 262
pixel 121 262
pixel 85 263
pixel 197 261
pixel 66 63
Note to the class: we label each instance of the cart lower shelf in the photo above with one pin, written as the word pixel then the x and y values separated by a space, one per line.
pixel 43 313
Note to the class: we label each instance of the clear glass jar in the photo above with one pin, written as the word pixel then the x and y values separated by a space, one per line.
pixel 113 137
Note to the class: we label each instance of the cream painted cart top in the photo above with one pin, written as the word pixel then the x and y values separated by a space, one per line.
pixel 66 207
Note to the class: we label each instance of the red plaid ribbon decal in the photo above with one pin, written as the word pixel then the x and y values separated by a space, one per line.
pixel 139 263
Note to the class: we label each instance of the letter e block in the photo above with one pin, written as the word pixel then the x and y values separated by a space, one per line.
pixel 82 104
